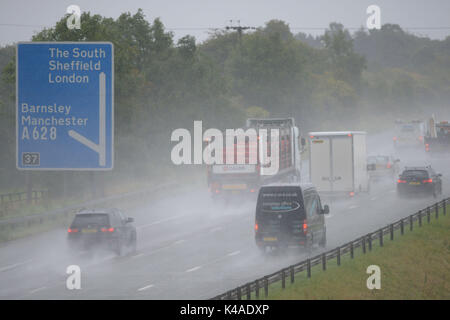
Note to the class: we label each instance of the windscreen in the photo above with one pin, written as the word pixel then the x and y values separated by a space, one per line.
pixel 95 219
pixel 280 201
pixel 407 128
pixel 421 174
pixel 377 159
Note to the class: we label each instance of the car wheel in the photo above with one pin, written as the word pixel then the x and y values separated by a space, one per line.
pixel 133 243
pixel 435 194
pixel 119 248
pixel 323 242
pixel 262 249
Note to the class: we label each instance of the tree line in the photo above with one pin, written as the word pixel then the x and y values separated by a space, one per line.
pixel 360 81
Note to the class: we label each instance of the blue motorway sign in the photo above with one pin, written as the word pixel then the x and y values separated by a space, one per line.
pixel 65 105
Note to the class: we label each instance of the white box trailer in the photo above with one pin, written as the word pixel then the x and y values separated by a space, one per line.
pixel 338 162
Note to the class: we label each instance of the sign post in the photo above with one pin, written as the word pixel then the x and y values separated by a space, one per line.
pixel 65 106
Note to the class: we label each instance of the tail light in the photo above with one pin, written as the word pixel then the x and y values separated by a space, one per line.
pixel 72 230
pixel 252 190
pixel 428 181
pixel 217 191
pixel 256 227
pixel 305 227
pixel 401 181
pixel 427 147
pixel 107 229
pixel 420 138
pixel 395 138
pixel 352 194
pixel 389 165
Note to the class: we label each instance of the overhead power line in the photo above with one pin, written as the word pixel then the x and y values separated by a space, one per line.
pixel 238 28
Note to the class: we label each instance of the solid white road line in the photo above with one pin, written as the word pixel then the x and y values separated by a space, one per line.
pixel 373 198
pixel 12 266
pixel 233 253
pixel 215 229
pixel 353 207
pixel 37 290
pixel 159 221
pixel 146 287
pixel 193 269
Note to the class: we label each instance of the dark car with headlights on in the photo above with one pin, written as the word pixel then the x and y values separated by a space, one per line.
pixel 419 180
pixel 107 228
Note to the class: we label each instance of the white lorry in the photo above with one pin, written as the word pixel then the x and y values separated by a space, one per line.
pixel 338 162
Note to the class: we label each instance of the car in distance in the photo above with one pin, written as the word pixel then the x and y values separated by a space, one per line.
pixel 382 166
pixel 107 228
pixel 414 180
pixel 289 214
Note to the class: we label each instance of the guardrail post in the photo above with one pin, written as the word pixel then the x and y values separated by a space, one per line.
pixel 370 241
pixel 444 211
pixel 238 293
pixel 249 293
pixel 411 222
pixel 292 274
pixel 351 249
pixel 391 227
pixel 437 210
pixel 228 295
pixel 402 227
pixel 420 218
pixel 428 214
pixel 338 256
pixel 381 237
pixel 308 268
pixel 283 279
pixel 363 244
pixel 324 261
pixel 257 288
pixel 266 287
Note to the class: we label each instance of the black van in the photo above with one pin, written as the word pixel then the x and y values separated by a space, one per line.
pixel 289 215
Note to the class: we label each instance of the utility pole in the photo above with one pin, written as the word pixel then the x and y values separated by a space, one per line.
pixel 239 28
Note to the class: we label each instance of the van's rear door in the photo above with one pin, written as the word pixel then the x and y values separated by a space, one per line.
pixel 342 163
pixel 280 213
pixel 320 163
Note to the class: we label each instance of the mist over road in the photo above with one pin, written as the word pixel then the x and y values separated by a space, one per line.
pixel 190 247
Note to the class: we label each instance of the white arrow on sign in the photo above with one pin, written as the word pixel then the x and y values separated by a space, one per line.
pixel 101 147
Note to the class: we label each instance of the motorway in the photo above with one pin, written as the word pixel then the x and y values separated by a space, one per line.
pixel 189 247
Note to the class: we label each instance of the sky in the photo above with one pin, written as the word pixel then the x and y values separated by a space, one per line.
pixel 21 19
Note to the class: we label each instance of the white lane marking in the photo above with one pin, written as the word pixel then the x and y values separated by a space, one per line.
pixel 138 255
pixel 233 253
pixel 392 191
pixel 215 229
pixel 146 287
pixel 353 207
pixel 12 266
pixel 193 269
pixel 329 216
pixel 162 248
pixel 37 290
pixel 373 198
pixel 158 222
